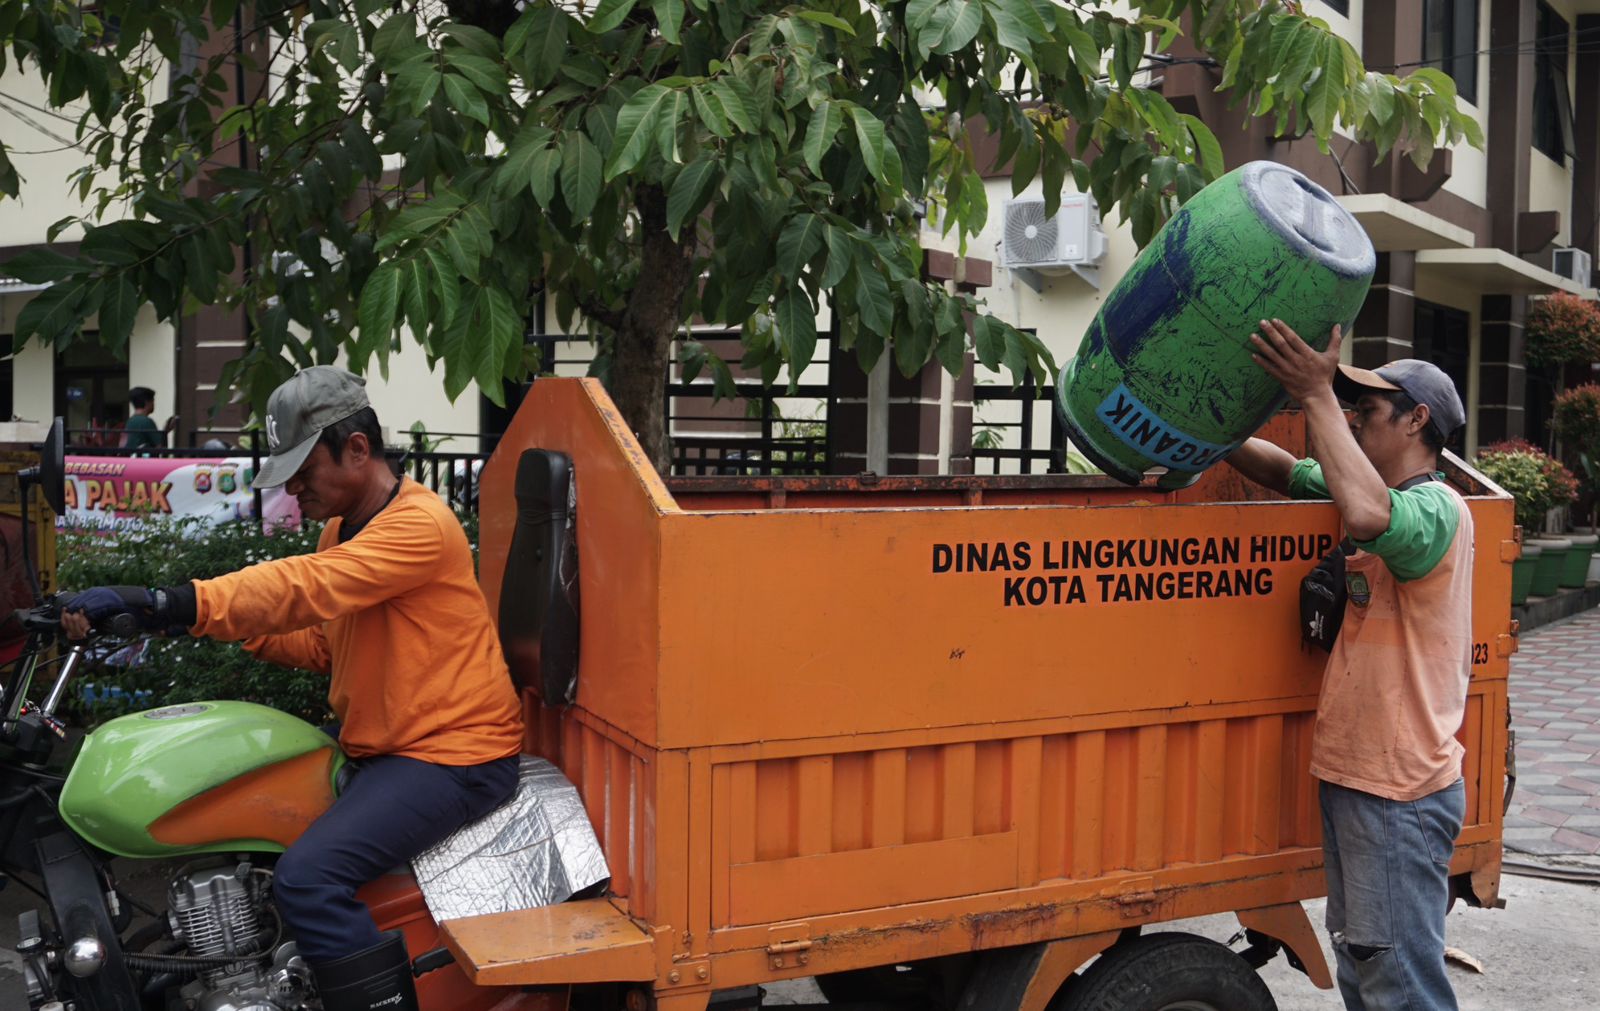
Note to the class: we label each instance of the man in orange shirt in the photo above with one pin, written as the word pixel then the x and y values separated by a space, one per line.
pixel 390 608
pixel 1395 688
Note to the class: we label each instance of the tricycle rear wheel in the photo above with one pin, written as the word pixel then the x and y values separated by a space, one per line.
pixel 1167 972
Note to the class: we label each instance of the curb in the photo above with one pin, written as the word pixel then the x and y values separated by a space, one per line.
pixel 1564 604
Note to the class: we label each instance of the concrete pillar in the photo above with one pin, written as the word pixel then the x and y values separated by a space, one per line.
pixel 890 424
pixel 1509 98
pixel 1586 118
pixel 1502 374
pixel 1385 326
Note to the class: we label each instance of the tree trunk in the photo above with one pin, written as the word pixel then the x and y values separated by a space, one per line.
pixel 639 358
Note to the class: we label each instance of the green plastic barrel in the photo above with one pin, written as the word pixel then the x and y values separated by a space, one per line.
pixel 1552 560
pixel 1522 572
pixel 1164 377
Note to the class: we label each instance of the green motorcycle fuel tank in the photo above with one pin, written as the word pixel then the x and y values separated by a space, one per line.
pixel 199 778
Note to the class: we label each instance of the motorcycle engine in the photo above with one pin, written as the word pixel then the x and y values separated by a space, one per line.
pixel 216 912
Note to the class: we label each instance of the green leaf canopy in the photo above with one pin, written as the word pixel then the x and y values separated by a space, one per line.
pixel 432 171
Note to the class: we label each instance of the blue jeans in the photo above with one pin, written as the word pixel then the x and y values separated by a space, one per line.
pixel 1388 865
pixel 392 809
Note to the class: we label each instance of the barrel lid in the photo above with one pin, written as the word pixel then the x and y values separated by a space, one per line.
pixel 1308 218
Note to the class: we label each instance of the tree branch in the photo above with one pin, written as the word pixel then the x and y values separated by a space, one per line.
pixel 612 318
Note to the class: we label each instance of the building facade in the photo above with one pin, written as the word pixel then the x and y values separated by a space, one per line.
pixel 1462 248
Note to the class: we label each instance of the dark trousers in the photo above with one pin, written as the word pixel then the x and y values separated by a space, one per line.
pixel 392 809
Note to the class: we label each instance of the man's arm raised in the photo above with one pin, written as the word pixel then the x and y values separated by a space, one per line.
pixel 1307 375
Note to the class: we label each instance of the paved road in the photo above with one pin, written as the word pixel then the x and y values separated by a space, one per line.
pixel 1540 953
pixel 1555 712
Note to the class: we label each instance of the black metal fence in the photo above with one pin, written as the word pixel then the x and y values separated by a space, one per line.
pixel 748 435
pixel 762 442
pixel 1037 450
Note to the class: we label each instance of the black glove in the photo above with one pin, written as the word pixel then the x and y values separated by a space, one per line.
pixel 171 610
pixel 101 604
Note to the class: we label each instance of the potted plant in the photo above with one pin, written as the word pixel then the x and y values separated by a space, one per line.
pixel 1563 329
pixel 1537 483
pixel 1576 422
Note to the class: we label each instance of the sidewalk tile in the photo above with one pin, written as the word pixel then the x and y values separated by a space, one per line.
pixel 1546 816
pixel 1582 841
pixel 1540 847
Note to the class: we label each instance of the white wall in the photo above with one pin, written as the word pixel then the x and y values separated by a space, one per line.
pixel 1550 184
pixel 412 393
pixel 1349 27
pixel 1060 314
pixel 34 142
pixel 33 378
pixel 1469 175
pixel 40 144
pixel 1550 189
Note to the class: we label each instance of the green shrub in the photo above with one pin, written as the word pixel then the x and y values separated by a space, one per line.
pixel 1577 417
pixel 1536 482
pixel 1577 422
pixel 183 668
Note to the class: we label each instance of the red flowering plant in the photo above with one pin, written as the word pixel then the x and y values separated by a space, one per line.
pixel 1577 423
pixel 1563 328
pixel 1536 481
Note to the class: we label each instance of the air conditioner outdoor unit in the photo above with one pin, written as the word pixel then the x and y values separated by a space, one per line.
pixel 1071 241
pixel 1574 265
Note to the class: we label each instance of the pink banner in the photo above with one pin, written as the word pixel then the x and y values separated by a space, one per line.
pixel 115 493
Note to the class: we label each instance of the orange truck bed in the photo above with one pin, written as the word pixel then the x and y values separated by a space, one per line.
pixel 830 723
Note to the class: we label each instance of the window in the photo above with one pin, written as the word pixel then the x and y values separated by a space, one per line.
pixel 91 392
pixel 1552 102
pixel 1443 336
pixel 1450 42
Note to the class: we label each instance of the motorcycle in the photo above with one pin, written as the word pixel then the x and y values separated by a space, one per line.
pixel 225 787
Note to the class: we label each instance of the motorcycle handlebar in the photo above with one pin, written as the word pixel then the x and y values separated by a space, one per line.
pixel 47 618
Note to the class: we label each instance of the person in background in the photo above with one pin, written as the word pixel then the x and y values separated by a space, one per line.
pixel 141 432
pixel 1394 691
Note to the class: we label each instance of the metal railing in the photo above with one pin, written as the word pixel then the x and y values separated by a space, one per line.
pixel 1032 446
pixel 707 455
pixel 760 442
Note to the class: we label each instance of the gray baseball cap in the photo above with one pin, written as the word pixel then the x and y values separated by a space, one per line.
pixel 1424 382
pixel 299 410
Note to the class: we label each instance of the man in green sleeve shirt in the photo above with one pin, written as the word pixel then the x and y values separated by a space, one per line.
pixel 1395 688
pixel 1422 520
pixel 141 432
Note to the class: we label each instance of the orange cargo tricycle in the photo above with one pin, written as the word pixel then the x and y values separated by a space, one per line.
pixel 960 740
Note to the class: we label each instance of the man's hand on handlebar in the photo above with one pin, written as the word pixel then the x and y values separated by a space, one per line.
pixel 121 610
pixel 75 624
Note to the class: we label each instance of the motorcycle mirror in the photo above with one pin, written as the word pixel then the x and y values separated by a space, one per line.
pixel 51 473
